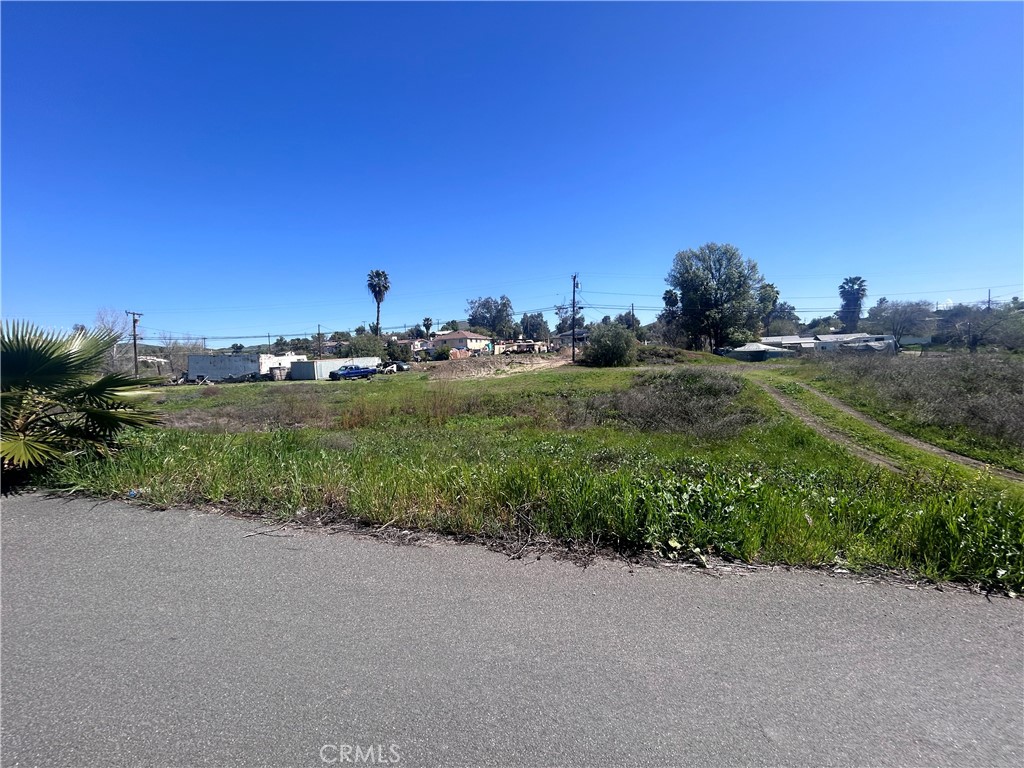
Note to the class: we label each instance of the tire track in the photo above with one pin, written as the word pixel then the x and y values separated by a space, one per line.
pixel 804 416
pixel 913 442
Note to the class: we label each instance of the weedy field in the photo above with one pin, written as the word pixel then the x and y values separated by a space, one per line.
pixel 685 461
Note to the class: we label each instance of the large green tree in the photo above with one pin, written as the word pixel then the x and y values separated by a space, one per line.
pixel 716 290
pixel 54 402
pixel 495 315
pixel 535 327
pixel 378 284
pixel 565 318
pixel 852 292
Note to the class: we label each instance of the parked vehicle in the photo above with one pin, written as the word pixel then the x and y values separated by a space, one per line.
pixel 399 365
pixel 387 368
pixel 352 372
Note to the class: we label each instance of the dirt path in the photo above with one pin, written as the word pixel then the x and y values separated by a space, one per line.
pixel 966 461
pixel 796 410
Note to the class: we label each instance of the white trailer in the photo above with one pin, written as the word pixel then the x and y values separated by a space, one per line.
pixel 220 367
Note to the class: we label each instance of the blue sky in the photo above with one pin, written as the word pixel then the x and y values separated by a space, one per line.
pixel 236 169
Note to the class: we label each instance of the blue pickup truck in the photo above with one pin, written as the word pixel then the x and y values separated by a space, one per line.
pixel 352 372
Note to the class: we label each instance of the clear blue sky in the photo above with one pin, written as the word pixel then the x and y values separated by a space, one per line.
pixel 236 169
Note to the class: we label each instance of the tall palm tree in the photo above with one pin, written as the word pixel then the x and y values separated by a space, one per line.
pixel 852 293
pixel 378 284
pixel 54 403
pixel 428 323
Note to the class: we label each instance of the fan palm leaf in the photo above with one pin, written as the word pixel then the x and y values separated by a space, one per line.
pixel 53 402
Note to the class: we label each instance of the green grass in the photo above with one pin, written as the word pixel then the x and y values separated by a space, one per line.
pixel 911 410
pixel 558 453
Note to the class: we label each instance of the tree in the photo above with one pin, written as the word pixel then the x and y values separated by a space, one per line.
pixel 974 327
pixel 565 318
pixel 535 327
pixel 280 345
pixel 852 292
pixel 668 326
pixel 717 293
pixel 119 357
pixel 767 304
pixel 784 321
pixel 366 345
pixel 177 350
pixel 823 324
pixel 610 346
pixel 494 315
pixel 451 325
pixel 53 400
pixel 900 318
pixel 398 351
pixel 428 322
pixel 340 336
pixel 378 284
pixel 236 348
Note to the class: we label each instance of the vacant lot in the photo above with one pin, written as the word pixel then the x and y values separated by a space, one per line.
pixel 687 461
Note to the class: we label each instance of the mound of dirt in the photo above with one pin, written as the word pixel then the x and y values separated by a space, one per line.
pixel 500 365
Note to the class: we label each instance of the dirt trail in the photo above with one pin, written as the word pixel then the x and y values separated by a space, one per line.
pixel 795 409
pixel 800 413
pixel 966 461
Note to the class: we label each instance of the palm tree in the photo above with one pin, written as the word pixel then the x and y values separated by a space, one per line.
pixel 852 293
pixel 378 284
pixel 428 323
pixel 54 403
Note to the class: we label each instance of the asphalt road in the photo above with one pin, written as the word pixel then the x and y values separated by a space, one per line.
pixel 136 637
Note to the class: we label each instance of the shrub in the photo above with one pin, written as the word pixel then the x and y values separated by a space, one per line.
pixel 443 352
pixel 695 401
pixel 610 346
pixel 55 403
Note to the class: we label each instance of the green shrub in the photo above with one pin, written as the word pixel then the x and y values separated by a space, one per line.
pixel 610 346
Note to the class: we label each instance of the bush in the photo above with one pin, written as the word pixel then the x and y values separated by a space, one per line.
pixel 443 352
pixel 366 345
pixel 693 401
pixel 55 402
pixel 981 393
pixel 610 346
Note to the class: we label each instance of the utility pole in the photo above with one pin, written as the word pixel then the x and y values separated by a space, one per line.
pixel 575 285
pixel 135 338
pixel 319 343
pixel 632 316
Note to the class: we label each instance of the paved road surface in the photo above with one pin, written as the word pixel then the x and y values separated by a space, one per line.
pixel 133 637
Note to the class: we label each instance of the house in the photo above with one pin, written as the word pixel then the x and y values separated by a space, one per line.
pixel 414 345
pixel 462 340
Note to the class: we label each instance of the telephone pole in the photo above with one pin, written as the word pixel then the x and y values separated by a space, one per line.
pixel 135 338
pixel 575 285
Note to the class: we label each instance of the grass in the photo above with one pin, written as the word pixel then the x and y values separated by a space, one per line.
pixel 969 404
pixel 572 454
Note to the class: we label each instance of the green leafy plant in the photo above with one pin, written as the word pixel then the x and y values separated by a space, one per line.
pixel 53 401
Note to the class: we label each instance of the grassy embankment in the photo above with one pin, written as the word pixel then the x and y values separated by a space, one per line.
pixel 685 462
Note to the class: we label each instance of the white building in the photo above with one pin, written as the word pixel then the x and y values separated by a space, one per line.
pixel 220 367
